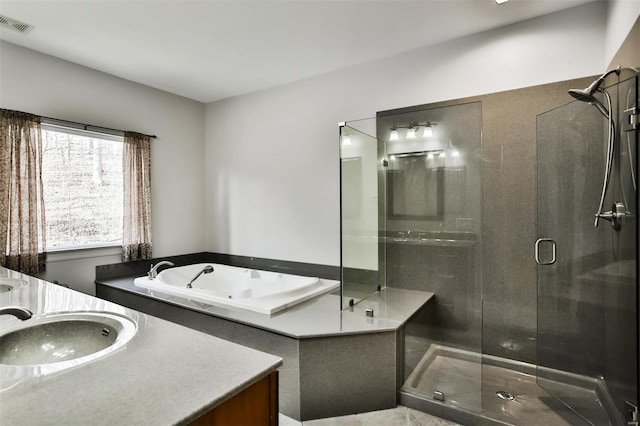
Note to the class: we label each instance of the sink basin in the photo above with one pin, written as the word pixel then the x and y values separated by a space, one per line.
pixel 63 337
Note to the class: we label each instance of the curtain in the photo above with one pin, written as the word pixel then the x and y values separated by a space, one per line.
pixel 136 168
pixel 22 225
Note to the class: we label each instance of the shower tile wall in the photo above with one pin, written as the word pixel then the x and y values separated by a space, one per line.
pixel 506 265
pixel 509 216
pixel 621 361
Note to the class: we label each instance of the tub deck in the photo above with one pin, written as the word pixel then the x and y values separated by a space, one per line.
pixel 329 355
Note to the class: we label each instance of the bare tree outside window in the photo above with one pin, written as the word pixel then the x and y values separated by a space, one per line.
pixel 82 179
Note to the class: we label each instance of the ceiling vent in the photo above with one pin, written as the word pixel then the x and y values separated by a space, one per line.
pixel 6 22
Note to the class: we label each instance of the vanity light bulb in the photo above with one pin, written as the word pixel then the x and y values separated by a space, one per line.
pixel 394 135
pixel 455 153
pixel 411 133
pixel 442 155
pixel 430 156
pixel 346 140
pixel 427 132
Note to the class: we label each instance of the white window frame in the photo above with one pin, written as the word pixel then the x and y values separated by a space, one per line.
pixel 86 250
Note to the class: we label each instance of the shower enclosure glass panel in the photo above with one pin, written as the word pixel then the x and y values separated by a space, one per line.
pixel 363 260
pixel 587 319
pixel 433 219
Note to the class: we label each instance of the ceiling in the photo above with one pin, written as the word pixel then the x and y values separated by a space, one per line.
pixel 214 49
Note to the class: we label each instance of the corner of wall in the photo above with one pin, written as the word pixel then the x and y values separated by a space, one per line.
pixel 623 27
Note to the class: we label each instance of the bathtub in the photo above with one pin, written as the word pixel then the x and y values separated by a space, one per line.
pixel 229 286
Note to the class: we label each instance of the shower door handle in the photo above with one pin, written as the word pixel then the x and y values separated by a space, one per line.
pixel 553 251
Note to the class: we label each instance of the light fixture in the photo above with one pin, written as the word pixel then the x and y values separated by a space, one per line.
pixel 412 131
pixel 430 156
pixel 442 155
pixel 346 140
pixel 501 1
pixel 393 136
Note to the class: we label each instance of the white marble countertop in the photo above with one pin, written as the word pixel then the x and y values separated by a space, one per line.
pixel 166 374
pixel 319 317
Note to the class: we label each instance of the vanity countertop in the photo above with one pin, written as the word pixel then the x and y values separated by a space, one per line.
pixel 166 373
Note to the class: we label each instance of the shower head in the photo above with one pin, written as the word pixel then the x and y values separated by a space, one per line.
pixel 583 95
pixel 587 94
pixel 593 87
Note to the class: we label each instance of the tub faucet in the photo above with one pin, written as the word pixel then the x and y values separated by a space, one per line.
pixel 17 311
pixel 206 270
pixel 153 272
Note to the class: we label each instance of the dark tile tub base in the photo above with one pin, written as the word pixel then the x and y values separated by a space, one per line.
pixel 320 377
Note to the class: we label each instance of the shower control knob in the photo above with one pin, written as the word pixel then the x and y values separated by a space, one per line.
pixel 615 216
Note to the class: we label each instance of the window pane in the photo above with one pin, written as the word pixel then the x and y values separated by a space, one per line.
pixel 82 178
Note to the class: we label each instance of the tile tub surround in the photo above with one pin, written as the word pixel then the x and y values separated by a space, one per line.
pixel 131 385
pixel 329 355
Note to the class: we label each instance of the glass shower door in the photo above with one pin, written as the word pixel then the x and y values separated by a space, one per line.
pixel 586 275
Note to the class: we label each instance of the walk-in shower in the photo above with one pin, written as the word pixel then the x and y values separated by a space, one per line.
pixel 534 319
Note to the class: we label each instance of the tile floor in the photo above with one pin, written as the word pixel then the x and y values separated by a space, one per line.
pixel 399 416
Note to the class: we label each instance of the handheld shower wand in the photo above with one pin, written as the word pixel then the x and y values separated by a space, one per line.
pixel 587 95
pixel 206 270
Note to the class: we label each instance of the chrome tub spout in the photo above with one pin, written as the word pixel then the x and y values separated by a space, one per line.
pixel 153 272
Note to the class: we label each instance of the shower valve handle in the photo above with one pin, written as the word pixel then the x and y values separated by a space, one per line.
pixel 615 216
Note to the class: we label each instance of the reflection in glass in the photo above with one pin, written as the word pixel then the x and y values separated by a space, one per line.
pixel 434 210
pixel 416 186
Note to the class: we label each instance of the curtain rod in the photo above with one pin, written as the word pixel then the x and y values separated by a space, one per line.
pixel 86 126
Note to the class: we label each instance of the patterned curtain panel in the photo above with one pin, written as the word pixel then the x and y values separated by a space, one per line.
pixel 136 236
pixel 22 225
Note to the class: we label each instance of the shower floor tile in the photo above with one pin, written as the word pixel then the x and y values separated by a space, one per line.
pixel 471 386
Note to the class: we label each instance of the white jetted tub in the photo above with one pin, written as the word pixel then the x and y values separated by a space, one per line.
pixel 229 286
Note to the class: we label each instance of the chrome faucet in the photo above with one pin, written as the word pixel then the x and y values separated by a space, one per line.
pixel 206 270
pixel 17 311
pixel 153 272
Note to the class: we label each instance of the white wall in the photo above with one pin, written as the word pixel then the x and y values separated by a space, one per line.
pixel 272 175
pixel 44 85
pixel 621 15
pixel 271 181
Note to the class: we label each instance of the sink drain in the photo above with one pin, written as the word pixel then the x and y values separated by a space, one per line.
pixel 505 395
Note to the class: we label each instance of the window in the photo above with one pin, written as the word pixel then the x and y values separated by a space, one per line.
pixel 82 184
